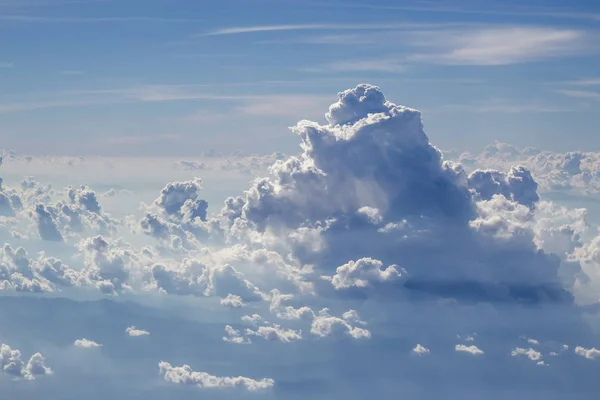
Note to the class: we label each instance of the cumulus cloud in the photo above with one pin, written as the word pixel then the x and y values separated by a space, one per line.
pixel 572 172
pixel 192 277
pixel 184 375
pixel 275 332
pixel 12 364
pixel 591 354
pixel 474 350
pixel 367 234
pixel 234 336
pixel 369 185
pixel 361 273
pixel 324 324
pixel 86 343
pixel 233 301
pixel 420 350
pixel 133 331
pixel 529 353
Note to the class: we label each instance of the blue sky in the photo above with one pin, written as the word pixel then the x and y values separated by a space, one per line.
pixel 167 78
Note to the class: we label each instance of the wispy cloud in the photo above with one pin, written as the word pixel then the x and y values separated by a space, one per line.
pixel 5 64
pixel 586 82
pixel 581 94
pixel 497 45
pixel 237 30
pixel 71 72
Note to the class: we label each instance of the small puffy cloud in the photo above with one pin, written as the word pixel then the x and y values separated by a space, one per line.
pixel 420 350
pixel 276 332
pixel 474 350
pixel 184 375
pixel 233 301
pixel 133 331
pixel 324 324
pixel 529 353
pixel 12 364
pixel 363 272
pixel 86 344
pixel 234 336
pixel 591 354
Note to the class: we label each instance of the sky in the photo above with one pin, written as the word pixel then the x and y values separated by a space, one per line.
pixel 291 200
pixel 167 78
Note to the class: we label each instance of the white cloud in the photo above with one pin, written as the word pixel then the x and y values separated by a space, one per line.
pixel 185 376
pixel 474 350
pixel 233 301
pixel 86 343
pixel 501 45
pixel 580 94
pixel 133 331
pixel 276 332
pixel 234 336
pixel 364 272
pixel 324 324
pixel 529 353
pixel 420 350
pixel 591 353
pixel 12 364
pixel 236 30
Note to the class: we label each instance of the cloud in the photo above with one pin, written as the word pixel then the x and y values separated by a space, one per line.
pixel 276 332
pixel 237 30
pixel 420 350
pixel 580 94
pixel 363 244
pixel 12 364
pixel 185 376
pixel 529 353
pixel 233 301
pixel 501 45
pixel 432 219
pixel 86 344
pixel 234 336
pixel 474 350
pixel 590 354
pixel 133 331
pixel 363 272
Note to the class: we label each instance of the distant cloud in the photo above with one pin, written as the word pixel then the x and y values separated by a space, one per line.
pixel 581 94
pixel 420 350
pixel 86 343
pixel 591 354
pixel 184 375
pixel 4 64
pixel 236 30
pixel 133 331
pixel 474 350
pixel 496 45
pixel 529 353
pixel 11 363
pixel 71 72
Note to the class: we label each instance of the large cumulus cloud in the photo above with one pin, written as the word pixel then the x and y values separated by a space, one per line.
pixel 370 184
